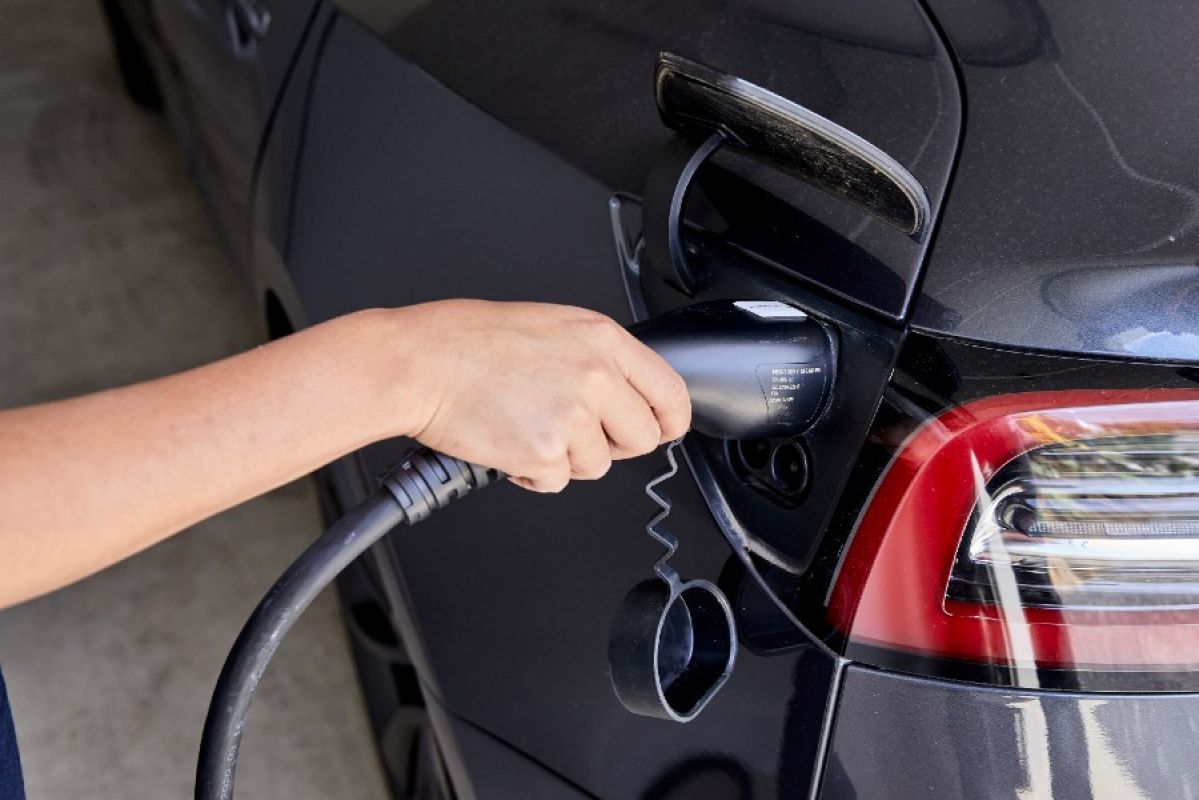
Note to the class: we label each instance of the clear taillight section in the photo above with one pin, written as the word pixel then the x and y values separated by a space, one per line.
pixel 1040 531
pixel 1090 523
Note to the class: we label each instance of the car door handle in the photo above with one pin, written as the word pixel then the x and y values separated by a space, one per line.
pixel 249 21
pixel 711 109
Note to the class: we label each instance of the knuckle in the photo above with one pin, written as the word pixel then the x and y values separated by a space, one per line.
pixel 596 319
pixel 644 439
pixel 596 469
pixel 676 390
pixel 678 412
pixel 551 477
pixel 572 413
pixel 594 375
pixel 674 430
pixel 555 484
pixel 649 439
pixel 601 328
pixel 547 448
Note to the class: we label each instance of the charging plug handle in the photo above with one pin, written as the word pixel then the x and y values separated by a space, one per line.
pixel 753 368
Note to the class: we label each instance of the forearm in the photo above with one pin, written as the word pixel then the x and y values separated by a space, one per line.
pixel 89 481
pixel 543 393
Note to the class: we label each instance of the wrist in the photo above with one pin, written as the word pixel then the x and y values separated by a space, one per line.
pixel 397 387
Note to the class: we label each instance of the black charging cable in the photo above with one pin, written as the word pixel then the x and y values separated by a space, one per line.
pixel 423 483
pixel 754 369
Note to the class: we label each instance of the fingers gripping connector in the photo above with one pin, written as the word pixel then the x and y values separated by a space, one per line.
pixel 427 481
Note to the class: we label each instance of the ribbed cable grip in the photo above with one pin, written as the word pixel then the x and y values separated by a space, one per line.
pixel 428 480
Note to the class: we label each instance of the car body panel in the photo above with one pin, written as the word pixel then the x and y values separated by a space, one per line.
pixel 508 598
pixel 221 90
pixel 576 77
pixel 484 766
pixel 899 736
pixel 1074 218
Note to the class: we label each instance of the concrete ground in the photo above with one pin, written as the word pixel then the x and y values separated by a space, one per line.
pixel 110 273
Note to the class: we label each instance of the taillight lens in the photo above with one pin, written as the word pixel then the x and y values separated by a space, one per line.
pixel 1091 523
pixel 1051 530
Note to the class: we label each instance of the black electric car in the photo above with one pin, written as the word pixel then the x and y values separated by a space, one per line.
pixel 976 574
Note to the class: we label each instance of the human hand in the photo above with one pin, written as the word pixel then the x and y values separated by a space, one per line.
pixel 545 393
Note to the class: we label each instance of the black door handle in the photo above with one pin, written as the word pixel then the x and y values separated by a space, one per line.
pixel 711 109
pixel 249 21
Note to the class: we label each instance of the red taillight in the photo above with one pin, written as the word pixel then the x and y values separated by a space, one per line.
pixel 1053 530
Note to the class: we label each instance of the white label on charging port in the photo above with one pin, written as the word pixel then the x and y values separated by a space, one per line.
pixel 770 309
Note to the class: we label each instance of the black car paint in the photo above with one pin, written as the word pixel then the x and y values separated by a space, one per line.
pixel 899 736
pixel 447 155
pixel 574 77
pixel 220 92
pixel 1074 218
pixel 572 556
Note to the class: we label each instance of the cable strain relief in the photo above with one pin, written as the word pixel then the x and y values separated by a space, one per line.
pixel 427 481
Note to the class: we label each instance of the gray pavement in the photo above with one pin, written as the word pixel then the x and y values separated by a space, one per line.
pixel 110 273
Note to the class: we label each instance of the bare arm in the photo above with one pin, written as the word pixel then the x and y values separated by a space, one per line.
pixel 546 393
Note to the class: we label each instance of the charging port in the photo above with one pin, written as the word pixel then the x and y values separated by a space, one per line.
pixel 789 469
pixel 777 468
pixel 754 454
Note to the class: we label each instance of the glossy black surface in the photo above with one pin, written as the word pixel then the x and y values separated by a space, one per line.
pixel 1073 219
pixel 748 373
pixel 221 89
pixel 467 148
pixel 577 78
pixel 505 601
pixel 906 737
